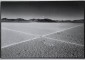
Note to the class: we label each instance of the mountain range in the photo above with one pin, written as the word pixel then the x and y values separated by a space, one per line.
pixel 40 20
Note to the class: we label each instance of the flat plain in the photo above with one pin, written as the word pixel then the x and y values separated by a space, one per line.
pixel 42 40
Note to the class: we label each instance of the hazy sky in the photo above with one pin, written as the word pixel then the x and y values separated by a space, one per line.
pixel 53 10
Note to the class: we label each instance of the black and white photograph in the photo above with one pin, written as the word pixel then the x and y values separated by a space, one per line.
pixel 42 29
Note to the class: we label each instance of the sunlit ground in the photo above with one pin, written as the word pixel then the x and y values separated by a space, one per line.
pixel 32 40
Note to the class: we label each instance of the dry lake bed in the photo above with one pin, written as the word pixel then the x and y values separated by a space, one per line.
pixel 42 40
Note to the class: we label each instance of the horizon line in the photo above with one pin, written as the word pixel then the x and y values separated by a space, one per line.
pixel 43 18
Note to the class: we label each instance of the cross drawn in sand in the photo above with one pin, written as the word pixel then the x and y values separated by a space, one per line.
pixel 41 37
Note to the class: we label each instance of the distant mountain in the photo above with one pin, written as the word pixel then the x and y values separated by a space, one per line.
pixel 13 20
pixel 71 21
pixel 78 21
pixel 23 20
pixel 42 20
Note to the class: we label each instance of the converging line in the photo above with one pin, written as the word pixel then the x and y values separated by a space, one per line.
pixel 19 42
pixel 20 31
pixel 61 30
pixel 64 41
pixel 43 36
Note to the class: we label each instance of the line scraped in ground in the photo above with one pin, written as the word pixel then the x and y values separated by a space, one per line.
pixel 43 36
